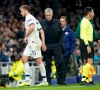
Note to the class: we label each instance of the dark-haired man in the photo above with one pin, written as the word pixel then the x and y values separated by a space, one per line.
pixel 86 45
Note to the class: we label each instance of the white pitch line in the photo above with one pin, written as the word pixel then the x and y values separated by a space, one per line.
pixel 81 86
pixel 32 88
pixel 23 89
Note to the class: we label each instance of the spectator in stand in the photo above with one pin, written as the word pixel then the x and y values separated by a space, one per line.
pixel 97 58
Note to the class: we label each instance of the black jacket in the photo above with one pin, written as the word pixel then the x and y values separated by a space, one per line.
pixel 56 25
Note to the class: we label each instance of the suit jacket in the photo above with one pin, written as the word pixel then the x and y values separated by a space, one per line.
pixel 56 25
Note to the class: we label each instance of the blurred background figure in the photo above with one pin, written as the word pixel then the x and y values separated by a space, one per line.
pixel 5 56
pixel 97 58
pixel 77 56
pixel 17 69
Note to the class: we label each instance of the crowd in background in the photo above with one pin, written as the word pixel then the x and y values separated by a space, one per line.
pixel 12 29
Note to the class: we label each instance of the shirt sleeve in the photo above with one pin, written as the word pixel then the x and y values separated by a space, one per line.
pixel 30 21
pixel 38 25
pixel 83 30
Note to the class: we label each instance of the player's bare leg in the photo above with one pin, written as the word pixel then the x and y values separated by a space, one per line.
pixel 85 61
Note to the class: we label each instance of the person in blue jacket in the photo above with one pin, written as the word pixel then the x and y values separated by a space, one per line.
pixel 3 57
pixel 69 43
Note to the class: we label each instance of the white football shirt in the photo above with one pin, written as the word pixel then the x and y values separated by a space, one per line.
pixel 34 36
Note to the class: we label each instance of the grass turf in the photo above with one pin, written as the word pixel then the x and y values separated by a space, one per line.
pixel 57 87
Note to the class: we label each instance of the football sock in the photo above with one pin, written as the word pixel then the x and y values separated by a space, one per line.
pixel 91 73
pixel 27 71
pixel 81 70
pixel 43 72
pixel 86 71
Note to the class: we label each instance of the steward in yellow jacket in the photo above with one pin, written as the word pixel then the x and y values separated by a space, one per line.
pixel 17 69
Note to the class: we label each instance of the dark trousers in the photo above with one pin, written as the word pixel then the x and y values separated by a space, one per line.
pixel 65 63
pixel 53 50
pixel 84 53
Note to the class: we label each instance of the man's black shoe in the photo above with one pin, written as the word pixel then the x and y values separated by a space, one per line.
pixel 85 83
pixel 81 83
pixel 61 83
pixel 92 83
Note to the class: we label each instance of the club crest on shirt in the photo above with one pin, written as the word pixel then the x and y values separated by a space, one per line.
pixel 37 23
pixel 66 33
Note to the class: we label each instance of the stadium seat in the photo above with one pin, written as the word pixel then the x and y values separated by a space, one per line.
pixel 4 70
pixel 97 69
pixel 12 84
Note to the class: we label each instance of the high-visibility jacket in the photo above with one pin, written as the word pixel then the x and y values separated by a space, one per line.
pixel 17 70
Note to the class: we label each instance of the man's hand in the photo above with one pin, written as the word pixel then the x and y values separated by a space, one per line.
pixel 44 48
pixel 98 41
pixel 25 40
pixel 88 49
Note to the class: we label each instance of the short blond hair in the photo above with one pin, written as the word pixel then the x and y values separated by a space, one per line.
pixel 25 7
pixel 64 17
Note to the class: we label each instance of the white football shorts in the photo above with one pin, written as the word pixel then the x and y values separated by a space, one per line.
pixel 33 50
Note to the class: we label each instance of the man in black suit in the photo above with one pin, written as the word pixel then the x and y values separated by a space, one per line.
pixel 53 39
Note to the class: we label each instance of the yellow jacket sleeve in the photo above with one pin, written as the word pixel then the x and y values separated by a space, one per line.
pixel 83 31
pixel 17 68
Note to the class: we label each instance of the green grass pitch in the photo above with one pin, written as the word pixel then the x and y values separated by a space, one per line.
pixel 57 87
